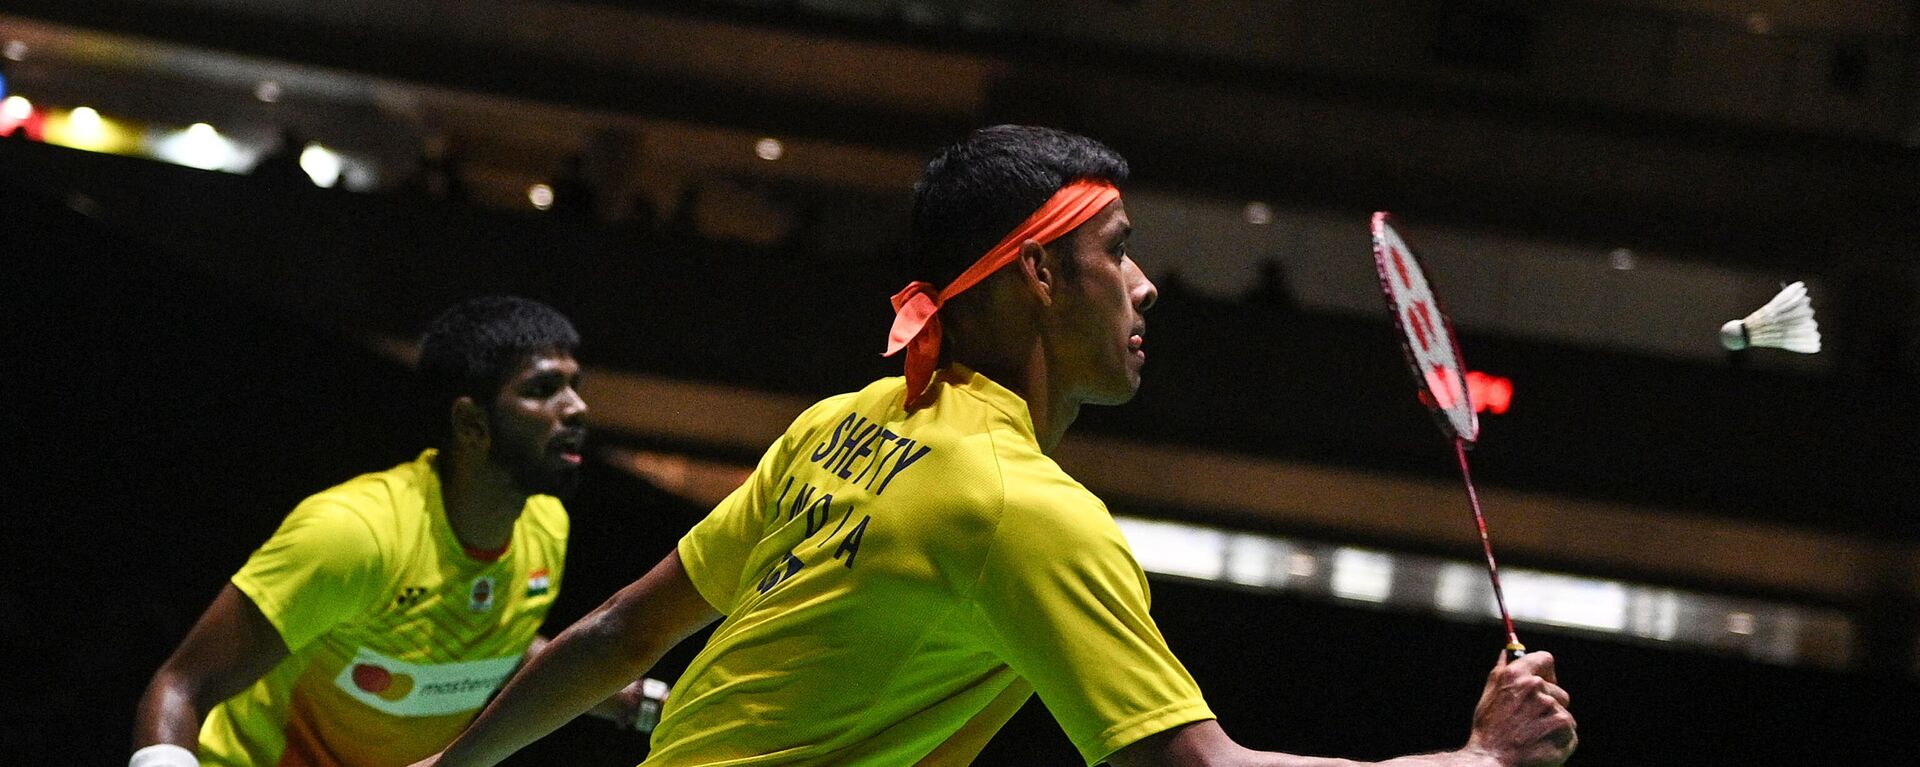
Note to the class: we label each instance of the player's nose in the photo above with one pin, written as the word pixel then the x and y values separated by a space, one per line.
pixel 573 407
pixel 1145 294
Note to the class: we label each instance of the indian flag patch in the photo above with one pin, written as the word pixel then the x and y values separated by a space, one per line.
pixel 538 583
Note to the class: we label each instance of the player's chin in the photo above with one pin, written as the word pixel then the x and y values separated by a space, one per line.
pixel 563 483
pixel 1118 391
pixel 557 479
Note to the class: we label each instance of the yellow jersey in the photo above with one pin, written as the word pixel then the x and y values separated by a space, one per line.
pixel 896 585
pixel 397 635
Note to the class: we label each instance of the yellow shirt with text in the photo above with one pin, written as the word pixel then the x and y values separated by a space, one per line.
pixel 897 584
pixel 396 635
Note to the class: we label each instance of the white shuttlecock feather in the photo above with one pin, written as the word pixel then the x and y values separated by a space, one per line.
pixel 1786 322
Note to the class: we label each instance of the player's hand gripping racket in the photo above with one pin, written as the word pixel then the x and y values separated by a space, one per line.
pixel 1438 369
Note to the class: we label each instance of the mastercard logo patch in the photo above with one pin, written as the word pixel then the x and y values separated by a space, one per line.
pixel 381 682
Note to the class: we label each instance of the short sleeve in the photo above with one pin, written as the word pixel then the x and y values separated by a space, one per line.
pixel 716 550
pixel 1065 605
pixel 320 569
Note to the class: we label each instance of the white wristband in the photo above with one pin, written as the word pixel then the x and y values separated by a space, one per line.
pixel 163 755
pixel 653 697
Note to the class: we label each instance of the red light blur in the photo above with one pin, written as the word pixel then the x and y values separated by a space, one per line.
pixel 1490 393
pixel 34 124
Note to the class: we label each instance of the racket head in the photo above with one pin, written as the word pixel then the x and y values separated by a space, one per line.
pixel 1426 334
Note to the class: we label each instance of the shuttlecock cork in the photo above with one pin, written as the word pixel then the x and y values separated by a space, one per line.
pixel 1786 322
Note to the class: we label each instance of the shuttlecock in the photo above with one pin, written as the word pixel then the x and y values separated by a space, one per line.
pixel 1786 322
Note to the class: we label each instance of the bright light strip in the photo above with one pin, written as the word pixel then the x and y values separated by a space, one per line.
pixel 1565 600
pixel 1764 631
pixel 1363 575
pixel 16 108
pixel 1184 550
pixel 1463 589
pixel 1253 562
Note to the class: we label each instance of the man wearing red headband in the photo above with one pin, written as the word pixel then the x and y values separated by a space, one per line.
pixel 906 566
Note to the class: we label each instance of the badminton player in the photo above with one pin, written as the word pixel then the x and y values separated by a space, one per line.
pixel 906 566
pixel 384 611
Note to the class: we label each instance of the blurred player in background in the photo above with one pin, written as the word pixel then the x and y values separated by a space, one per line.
pixel 906 566
pixel 385 611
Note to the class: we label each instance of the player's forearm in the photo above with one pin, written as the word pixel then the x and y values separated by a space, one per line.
pixel 1205 744
pixel 1270 759
pixel 1265 759
pixel 539 644
pixel 587 663
pixel 580 668
pixel 167 714
pixel 1460 758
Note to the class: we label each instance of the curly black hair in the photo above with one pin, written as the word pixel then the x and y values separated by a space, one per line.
pixel 472 348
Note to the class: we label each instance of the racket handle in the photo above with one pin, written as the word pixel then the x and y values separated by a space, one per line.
pixel 1515 650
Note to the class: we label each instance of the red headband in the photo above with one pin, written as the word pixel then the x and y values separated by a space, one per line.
pixel 915 324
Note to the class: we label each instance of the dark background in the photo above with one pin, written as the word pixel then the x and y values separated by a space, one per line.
pixel 158 424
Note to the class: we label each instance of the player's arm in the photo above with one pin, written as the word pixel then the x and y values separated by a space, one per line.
pixel 229 648
pixel 633 707
pixel 586 664
pixel 1521 721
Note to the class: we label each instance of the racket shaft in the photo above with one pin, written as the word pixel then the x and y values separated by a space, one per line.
pixel 1514 647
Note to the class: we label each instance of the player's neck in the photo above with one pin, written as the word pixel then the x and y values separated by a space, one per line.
pixel 1028 375
pixel 1052 414
pixel 999 334
pixel 482 502
pixel 1052 410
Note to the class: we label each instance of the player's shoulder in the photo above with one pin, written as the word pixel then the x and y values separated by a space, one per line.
pixel 827 409
pixel 1036 486
pixel 1040 500
pixel 1001 475
pixel 822 416
pixel 382 502
pixel 548 515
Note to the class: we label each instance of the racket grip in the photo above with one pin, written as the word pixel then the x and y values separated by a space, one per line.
pixel 1515 650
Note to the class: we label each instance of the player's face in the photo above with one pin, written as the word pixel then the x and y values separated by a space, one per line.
pixel 1099 343
pixel 538 424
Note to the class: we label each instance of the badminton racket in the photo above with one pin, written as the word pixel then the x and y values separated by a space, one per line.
pixel 1433 354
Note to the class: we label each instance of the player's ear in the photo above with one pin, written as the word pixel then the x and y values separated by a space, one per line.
pixel 471 429
pixel 1038 273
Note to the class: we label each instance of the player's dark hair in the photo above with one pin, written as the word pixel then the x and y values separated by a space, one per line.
pixel 976 191
pixel 473 347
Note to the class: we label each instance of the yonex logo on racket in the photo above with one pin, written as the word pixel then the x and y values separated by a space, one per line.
pixel 1427 339
pixel 1400 265
pixel 1422 326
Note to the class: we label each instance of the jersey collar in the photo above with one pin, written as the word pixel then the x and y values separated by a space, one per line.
pixel 976 384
